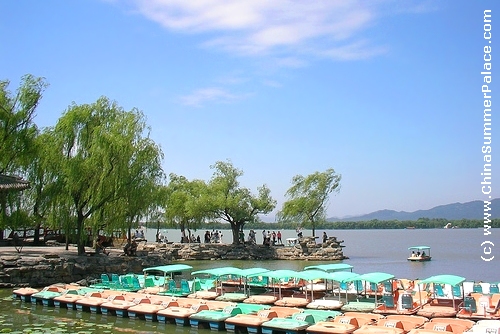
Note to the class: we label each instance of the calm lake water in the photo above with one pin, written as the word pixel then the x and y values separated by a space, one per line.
pixel 454 251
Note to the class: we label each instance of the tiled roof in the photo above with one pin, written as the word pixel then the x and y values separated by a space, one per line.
pixel 12 183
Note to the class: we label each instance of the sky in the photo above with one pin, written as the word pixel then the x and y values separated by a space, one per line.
pixel 386 92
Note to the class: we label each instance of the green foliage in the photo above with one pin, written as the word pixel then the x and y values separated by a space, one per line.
pixel 182 205
pixel 226 200
pixel 308 198
pixel 17 129
pixel 106 168
pixel 422 223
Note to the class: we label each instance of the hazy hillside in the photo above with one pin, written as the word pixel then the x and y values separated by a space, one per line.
pixel 454 211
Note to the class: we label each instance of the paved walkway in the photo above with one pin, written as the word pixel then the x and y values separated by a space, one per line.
pixel 41 250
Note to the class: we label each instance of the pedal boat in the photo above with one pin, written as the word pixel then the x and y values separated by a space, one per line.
pixel 251 323
pixel 441 305
pixel 46 295
pixel 344 324
pixel 148 311
pixel 213 319
pixel 440 325
pixel 406 304
pixel 420 256
pixel 179 315
pixel 186 307
pixel 325 304
pixel 69 297
pixel 292 302
pixel 24 294
pixel 261 299
pixel 393 324
pixel 119 305
pixel 480 306
pixel 298 323
pixel 486 327
pixel 92 301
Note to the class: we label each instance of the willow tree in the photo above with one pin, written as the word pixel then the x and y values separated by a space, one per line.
pixel 17 134
pixel 183 207
pixel 308 198
pixel 98 150
pixel 228 201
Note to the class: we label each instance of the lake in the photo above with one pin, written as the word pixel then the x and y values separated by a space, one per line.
pixel 454 251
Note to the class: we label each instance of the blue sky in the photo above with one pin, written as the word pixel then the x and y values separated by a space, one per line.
pixel 386 92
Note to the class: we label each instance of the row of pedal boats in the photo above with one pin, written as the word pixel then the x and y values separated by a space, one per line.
pixel 288 304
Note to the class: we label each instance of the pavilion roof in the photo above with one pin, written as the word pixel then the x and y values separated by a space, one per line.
pixel 9 183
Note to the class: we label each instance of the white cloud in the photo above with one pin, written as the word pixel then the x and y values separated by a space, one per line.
pixel 210 94
pixel 280 28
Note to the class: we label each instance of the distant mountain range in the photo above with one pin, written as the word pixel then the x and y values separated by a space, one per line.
pixel 454 211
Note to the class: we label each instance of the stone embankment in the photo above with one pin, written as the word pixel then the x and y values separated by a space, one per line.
pixel 34 267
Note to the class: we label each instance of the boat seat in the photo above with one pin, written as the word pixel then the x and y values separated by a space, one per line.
pixel 388 300
pixel 477 288
pixel 494 288
pixel 457 291
pixel 406 301
pixel 438 290
pixel 470 304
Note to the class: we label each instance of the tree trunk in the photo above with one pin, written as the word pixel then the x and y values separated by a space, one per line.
pixel 80 231
pixel 236 227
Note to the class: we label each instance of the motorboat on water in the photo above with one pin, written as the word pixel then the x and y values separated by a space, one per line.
pixel 419 253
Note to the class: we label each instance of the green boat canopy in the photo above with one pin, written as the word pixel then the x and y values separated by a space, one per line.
pixel 219 271
pixel 419 247
pixel 313 274
pixel 343 276
pixel 330 267
pixel 375 277
pixel 169 268
pixel 444 279
pixel 277 274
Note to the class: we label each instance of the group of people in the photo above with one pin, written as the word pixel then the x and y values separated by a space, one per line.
pixel 271 238
pixel 413 254
pixel 162 238
pixel 214 237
